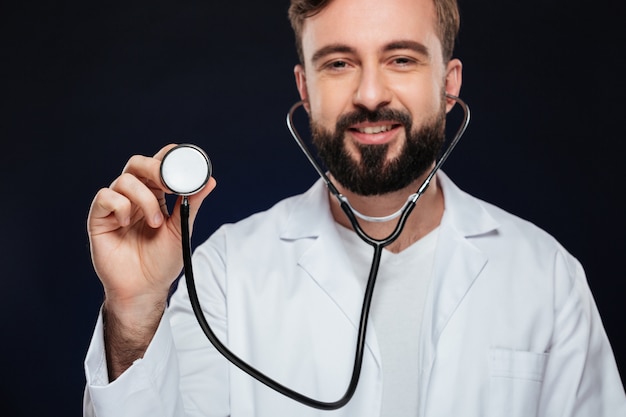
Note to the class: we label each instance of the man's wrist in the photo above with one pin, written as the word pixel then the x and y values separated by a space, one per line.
pixel 128 330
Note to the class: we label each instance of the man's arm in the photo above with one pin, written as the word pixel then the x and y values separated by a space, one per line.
pixel 581 377
pixel 128 337
pixel 135 249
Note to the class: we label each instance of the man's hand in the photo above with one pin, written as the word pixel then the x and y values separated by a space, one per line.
pixel 136 252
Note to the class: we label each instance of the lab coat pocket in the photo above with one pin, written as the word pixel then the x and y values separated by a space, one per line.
pixel 515 383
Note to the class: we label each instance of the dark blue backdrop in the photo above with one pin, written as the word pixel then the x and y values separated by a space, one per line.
pixel 85 85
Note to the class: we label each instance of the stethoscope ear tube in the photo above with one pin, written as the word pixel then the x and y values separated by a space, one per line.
pixel 404 211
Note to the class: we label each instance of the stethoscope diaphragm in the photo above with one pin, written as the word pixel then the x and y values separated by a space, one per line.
pixel 185 169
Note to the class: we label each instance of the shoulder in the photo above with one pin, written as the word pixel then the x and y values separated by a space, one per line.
pixel 294 215
pixel 501 235
pixel 476 218
pixel 519 257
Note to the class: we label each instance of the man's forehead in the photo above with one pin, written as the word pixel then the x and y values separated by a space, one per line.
pixel 370 23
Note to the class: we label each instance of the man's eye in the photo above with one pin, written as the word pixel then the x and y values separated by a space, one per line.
pixel 338 65
pixel 402 61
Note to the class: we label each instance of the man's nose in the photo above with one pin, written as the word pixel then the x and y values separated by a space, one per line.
pixel 372 92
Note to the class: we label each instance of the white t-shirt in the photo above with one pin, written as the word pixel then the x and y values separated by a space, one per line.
pixel 396 313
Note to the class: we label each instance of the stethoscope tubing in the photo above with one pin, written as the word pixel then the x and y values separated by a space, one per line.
pixel 250 370
pixel 377 244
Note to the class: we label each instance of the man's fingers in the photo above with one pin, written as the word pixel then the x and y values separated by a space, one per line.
pixel 147 169
pixel 108 202
pixel 161 154
pixel 140 186
pixel 140 195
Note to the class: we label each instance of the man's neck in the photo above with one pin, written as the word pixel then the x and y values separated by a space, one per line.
pixel 424 218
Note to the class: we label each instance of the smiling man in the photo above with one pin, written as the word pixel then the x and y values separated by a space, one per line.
pixel 374 77
pixel 476 312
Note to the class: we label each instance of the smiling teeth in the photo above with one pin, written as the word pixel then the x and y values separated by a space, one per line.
pixel 374 129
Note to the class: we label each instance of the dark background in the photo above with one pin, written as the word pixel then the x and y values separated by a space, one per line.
pixel 85 85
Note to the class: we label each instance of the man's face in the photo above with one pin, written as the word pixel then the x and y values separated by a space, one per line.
pixel 374 81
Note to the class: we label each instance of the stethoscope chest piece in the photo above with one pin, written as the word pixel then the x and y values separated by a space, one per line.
pixel 185 169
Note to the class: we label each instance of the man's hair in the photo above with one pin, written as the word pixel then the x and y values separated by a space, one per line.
pixel 447 12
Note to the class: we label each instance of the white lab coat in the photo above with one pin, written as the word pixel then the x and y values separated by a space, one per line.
pixel 510 327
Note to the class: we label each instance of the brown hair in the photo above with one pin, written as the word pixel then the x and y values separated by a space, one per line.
pixel 447 11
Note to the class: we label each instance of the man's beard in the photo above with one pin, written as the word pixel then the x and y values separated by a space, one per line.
pixel 374 174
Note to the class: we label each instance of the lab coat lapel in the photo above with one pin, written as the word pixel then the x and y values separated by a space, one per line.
pixel 458 263
pixel 326 261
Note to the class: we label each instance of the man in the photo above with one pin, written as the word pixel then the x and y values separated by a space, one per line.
pixel 476 312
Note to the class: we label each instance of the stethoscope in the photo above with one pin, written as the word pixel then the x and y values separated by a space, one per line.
pixel 186 169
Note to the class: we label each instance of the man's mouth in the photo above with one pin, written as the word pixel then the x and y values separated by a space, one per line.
pixel 375 133
pixel 374 129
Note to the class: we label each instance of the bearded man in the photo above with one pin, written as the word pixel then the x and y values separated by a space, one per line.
pixel 476 312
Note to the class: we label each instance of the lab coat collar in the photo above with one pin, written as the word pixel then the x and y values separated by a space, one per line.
pixel 310 215
pixel 464 213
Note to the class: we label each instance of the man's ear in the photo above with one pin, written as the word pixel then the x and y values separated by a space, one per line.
pixel 454 79
pixel 300 75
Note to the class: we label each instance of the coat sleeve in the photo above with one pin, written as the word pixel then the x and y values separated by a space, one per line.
pixel 181 374
pixel 148 388
pixel 581 377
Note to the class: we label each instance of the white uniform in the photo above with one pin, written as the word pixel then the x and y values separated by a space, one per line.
pixel 509 327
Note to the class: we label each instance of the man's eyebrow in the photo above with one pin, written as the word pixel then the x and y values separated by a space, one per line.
pixel 418 47
pixel 331 49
